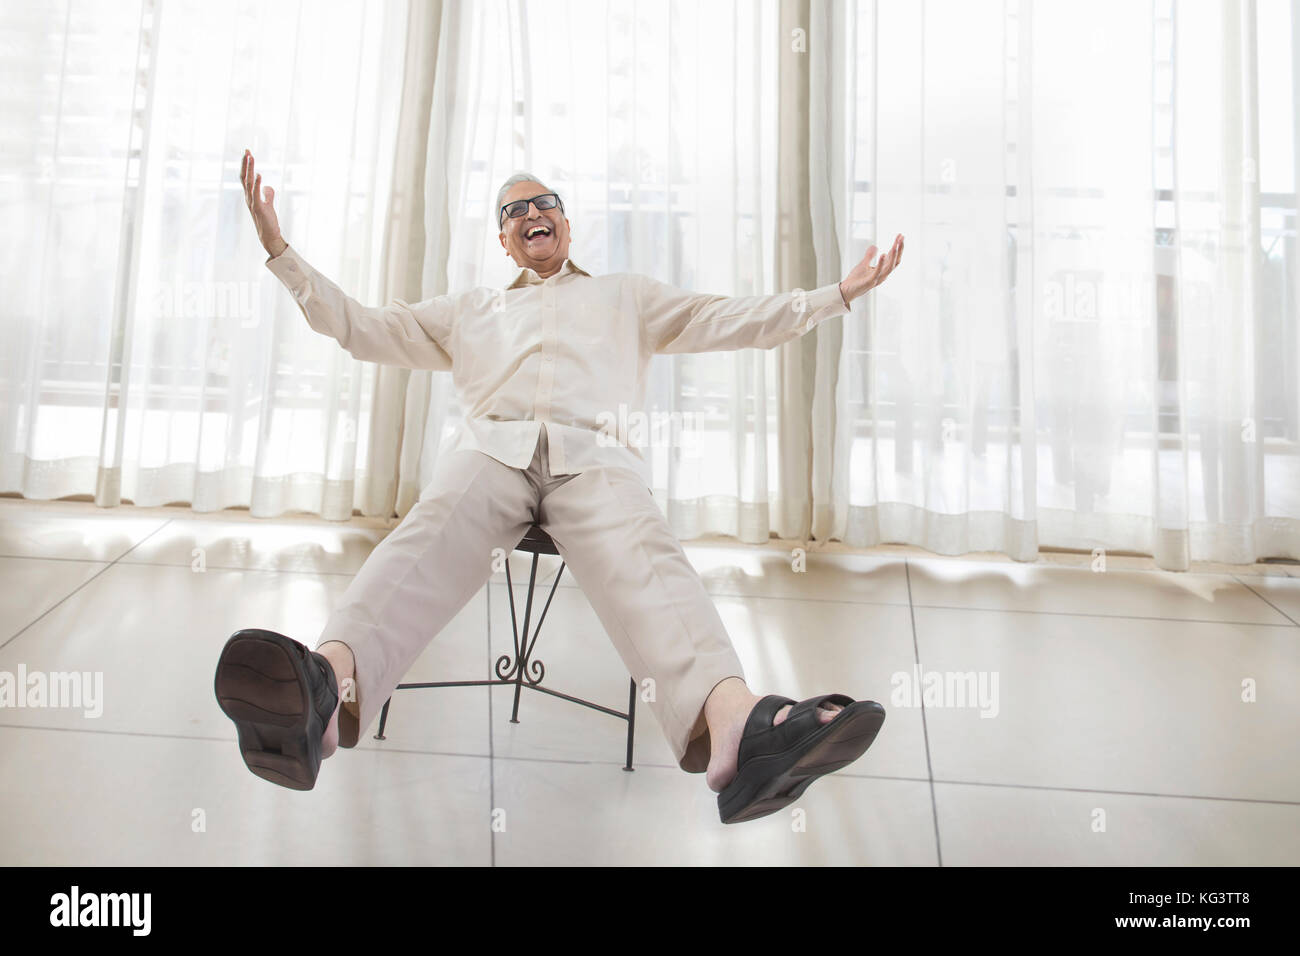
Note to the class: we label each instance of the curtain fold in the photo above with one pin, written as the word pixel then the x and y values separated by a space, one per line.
pixel 796 265
pixel 830 126
pixel 406 399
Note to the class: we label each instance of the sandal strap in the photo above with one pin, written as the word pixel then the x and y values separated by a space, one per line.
pixel 760 737
pixel 803 720
pixel 759 725
pixel 813 704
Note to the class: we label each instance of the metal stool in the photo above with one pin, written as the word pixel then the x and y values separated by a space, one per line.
pixel 523 670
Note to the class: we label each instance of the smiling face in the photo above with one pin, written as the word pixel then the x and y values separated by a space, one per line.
pixel 539 239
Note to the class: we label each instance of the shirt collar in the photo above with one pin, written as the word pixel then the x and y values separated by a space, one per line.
pixel 529 277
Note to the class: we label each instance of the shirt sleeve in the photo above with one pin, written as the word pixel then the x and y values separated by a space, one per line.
pixel 675 321
pixel 401 334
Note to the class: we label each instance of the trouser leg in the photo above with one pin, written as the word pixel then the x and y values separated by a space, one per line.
pixel 424 572
pixel 648 596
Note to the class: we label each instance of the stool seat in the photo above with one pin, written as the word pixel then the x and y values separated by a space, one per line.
pixel 536 541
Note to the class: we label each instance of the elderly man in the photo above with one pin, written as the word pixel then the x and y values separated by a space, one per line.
pixel 537 367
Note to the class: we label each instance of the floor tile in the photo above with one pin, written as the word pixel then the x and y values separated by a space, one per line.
pixel 32 586
pixel 572 814
pixel 443 719
pixel 578 660
pixel 1005 826
pixel 1282 593
pixel 154 633
pixel 1116 704
pixel 70 798
pixel 33 530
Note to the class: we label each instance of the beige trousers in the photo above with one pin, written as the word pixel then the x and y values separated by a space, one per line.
pixel 614 540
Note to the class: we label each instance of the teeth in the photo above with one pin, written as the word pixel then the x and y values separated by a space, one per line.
pixel 536 231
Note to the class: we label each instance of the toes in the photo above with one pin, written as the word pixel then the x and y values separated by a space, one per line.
pixel 828 712
pixel 825 713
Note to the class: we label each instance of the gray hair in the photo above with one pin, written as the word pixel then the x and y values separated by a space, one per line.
pixel 515 180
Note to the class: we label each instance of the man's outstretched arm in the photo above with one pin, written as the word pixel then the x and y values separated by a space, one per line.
pixel 677 321
pixel 408 336
pixel 401 334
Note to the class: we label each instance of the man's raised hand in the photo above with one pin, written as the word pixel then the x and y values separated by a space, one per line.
pixel 866 276
pixel 263 210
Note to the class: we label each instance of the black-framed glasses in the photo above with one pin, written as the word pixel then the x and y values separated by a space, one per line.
pixel 520 206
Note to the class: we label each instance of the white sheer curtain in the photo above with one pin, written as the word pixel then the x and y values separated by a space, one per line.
pixel 1094 340
pixel 148 355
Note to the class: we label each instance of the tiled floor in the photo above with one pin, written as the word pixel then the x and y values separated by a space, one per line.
pixel 1112 727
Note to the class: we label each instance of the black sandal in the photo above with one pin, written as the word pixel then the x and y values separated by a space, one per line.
pixel 281 697
pixel 777 763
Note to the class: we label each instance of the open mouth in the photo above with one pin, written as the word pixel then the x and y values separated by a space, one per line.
pixel 536 235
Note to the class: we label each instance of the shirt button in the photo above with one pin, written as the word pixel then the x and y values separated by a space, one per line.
pixel 546 358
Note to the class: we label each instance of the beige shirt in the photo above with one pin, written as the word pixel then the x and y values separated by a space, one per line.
pixel 572 350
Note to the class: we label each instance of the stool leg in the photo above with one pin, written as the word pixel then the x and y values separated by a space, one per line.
pixel 520 655
pixel 631 719
pixel 383 719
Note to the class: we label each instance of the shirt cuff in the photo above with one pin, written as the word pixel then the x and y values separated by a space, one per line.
pixel 827 301
pixel 288 267
pixel 822 304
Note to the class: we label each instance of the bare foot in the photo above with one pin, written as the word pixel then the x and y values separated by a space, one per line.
pixel 726 711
